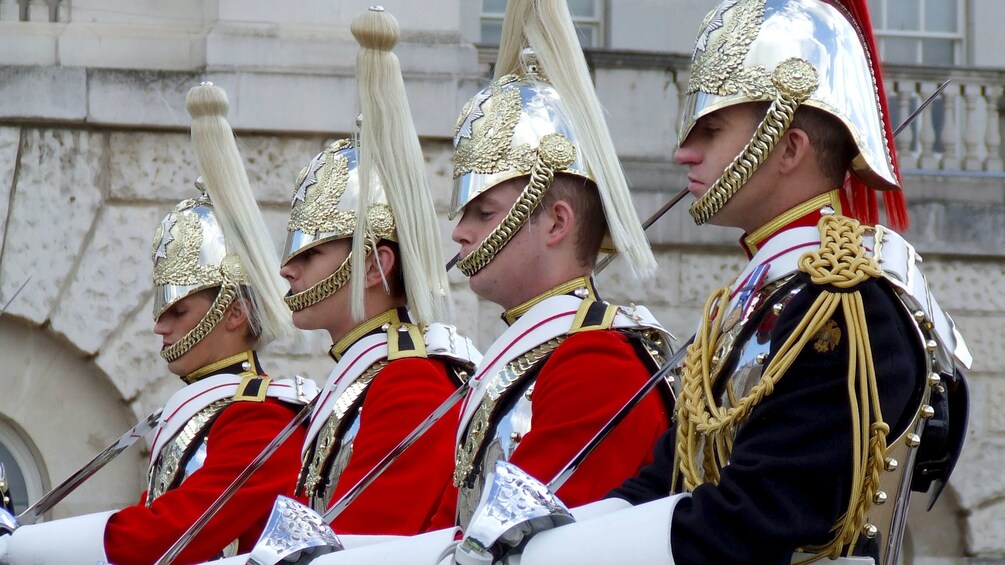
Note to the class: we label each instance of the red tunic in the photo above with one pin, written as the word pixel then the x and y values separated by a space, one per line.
pixel 588 378
pixel 139 534
pixel 404 499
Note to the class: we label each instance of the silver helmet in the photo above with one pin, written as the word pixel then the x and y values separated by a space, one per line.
pixel 788 52
pixel 326 197
pixel 190 255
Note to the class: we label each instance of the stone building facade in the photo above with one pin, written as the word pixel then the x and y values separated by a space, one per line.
pixel 94 150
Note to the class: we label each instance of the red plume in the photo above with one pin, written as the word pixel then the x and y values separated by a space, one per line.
pixel 863 198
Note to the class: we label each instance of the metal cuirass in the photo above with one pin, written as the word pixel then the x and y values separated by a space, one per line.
pixel 184 454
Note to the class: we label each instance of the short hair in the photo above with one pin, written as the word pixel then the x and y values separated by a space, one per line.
pixel 582 196
pixel 396 278
pixel 829 137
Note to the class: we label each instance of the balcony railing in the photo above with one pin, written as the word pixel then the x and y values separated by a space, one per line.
pixel 33 10
pixel 961 130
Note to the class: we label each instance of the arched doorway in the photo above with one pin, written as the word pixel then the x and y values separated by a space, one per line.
pixel 56 412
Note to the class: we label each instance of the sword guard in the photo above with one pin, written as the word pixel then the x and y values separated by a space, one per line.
pixel 293 528
pixel 514 508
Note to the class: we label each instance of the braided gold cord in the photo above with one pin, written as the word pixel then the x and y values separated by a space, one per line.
pixel 555 153
pixel 323 289
pixel 705 429
pixel 226 296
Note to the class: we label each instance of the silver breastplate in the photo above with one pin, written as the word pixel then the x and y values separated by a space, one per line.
pixel 183 454
pixel 513 423
pixel 331 449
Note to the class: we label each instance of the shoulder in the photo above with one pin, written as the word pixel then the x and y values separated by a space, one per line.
pixel 413 369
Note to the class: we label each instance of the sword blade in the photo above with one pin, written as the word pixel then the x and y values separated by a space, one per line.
pixel 562 476
pixel 54 496
pixel 353 493
pixel 186 538
pixel 16 292
pixel 917 111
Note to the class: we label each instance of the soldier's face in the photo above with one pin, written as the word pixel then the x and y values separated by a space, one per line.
pixel 713 143
pixel 177 321
pixel 504 280
pixel 310 267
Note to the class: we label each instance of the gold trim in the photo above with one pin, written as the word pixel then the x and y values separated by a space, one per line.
pixel 246 356
pixel 513 314
pixel 325 442
pixel 504 380
pixel 753 241
pixel 584 308
pixel 163 474
pixel 223 300
pixel 795 80
pixel 394 350
pixel 354 335
pixel 241 394
pixel 555 153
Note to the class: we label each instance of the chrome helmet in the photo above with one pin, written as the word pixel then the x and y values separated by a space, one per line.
pixel 789 53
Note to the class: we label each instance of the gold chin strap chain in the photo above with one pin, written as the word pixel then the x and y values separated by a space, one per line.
pixel 324 288
pixel 705 430
pixel 226 296
pixel 554 154
pixel 794 80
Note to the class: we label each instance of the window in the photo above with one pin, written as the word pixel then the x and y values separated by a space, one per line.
pixel 919 32
pixel 23 477
pixel 587 15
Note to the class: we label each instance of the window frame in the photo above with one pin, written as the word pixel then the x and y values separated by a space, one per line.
pixel 596 23
pixel 958 37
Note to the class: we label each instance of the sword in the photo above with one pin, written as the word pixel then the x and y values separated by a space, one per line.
pixel 16 292
pixel 54 496
pixel 917 111
pixel 353 493
pixel 186 538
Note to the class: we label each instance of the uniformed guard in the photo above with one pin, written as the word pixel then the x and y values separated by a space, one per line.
pixel 363 262
pixel 808 394
pixel 540 188
pixel 217 299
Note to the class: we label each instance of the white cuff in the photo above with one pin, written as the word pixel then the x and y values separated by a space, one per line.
pixel 423 548
pixel 639 534
pixel 80 539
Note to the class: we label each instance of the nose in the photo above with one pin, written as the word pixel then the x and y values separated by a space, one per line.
pixel 461 234
pixel 161 328
pixel 687 154
pixel 288 271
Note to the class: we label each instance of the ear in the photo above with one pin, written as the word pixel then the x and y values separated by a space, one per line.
pixel 236 316
pixel 795 150
pixel 379 266
pixel 561 222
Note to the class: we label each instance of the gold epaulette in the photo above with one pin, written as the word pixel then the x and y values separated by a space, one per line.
pixel 842 261
pixel 593 315
pixel 253 388
pixel 405 340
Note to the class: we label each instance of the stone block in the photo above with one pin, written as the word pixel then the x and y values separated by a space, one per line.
pixel 641 110
pixel 978 478
pixel 985 536
pixel 985 335
pixel 273 164
pixel 133 45
pixel 703 272
pixel 52 93
pixel 969 228
pixel 131 360
pixel 10 142
pixel 176 13
pixel 314 367
pixel 140 98
pixel 112 279
pixel 152 166
pixel 56 198
pixel 440 171
pixel 29 43
pixel 619 285
pixel 966 286
pixel 303 343
pixel 268 45
pixel 276 217
pixel 283 102
pixel 432 117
